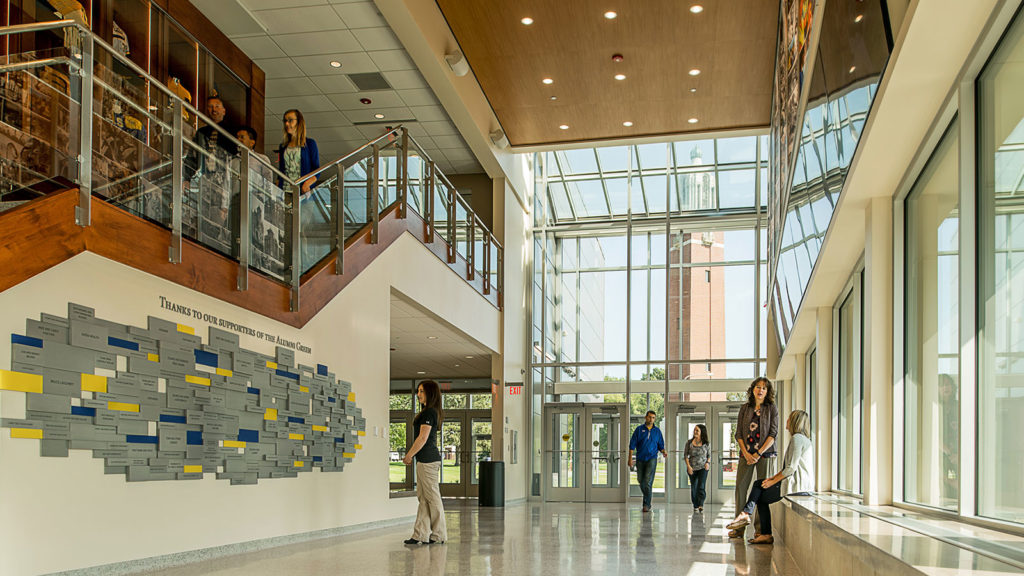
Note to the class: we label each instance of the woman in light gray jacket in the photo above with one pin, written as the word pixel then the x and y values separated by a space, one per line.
pixel 796 477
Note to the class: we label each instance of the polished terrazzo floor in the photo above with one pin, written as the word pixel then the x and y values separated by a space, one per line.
pixel 532 538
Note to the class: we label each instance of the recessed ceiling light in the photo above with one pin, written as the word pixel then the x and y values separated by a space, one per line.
pixel 469 357
pixel 627 123
pixel 564 126
pixel 554 98
pixel 378 116
pixel 527 21
pixel 620 76
pixel 431 337
pixel 421 372
pixel 610 15
pixel 694 72
pixel 548 81
pixel 858 18
pixel 696 8
pixel 335 64
pixel 692 120
pixel 852 68
pixel 456 365
pixel 693 90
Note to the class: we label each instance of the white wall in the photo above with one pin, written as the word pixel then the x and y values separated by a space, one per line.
pixel 64 513
pixel 516 411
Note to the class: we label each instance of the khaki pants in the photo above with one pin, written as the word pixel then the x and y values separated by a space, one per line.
pixel 430 524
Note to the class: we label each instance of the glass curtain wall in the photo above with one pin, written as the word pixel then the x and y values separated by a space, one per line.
pixel 932 357
pixel 1000 253
pixel 649 270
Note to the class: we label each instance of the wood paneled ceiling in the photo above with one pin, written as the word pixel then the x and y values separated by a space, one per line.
pixel 732 43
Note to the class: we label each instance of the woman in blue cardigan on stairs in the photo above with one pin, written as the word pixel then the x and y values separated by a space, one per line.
pixel 298 154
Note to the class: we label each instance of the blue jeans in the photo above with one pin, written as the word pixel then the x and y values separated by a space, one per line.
pixel 698 480
pixel 645 475
pixel 761 498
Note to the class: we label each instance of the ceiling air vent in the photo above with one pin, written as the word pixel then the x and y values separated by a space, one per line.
pixel 369 81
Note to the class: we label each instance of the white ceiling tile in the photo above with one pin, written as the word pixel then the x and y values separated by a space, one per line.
pixel 423 141
pixel 449 142
pixel 351 63
pixel 388 60
pixel 272 4
pixel 339 133
pixel 314 103
pixel 468 167
pixel 229 17
pixel 372 131
pixel 457 154
pixel 325 119
pixel 362 15
pixel 334 84
pixel 281 87
pixel 302 19
pixel 256 47
pixel 377 39
pixel 416 130
pixel 405 79
pixel 429 113
pixel 418 97
pixel 390 115
pixel 307 43
pixel 439 128
pixel 378 99
pixel 279 68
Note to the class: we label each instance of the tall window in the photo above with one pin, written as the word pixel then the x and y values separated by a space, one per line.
pixel 932 379
pixel 849 391
pixel 1000 427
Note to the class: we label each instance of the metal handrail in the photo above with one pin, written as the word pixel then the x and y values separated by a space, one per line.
pixel 86 61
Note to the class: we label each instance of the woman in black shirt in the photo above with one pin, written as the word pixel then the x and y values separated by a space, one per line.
pixel 430 526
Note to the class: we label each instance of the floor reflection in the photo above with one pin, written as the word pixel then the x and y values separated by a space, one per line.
pixel 535 538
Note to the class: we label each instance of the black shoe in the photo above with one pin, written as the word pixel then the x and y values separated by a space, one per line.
pixel 413 542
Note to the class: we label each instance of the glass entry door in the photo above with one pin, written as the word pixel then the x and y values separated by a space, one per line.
pixel 720 421
pixel 465 442
pixel 584 456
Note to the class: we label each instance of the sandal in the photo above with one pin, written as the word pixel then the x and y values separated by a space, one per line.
pixel 735 533
pixel 738 523
pixel 762 539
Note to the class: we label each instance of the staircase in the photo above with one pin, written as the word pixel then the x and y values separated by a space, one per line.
pixel 232 227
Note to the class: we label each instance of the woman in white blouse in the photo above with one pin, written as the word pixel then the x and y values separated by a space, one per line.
pixel 796 477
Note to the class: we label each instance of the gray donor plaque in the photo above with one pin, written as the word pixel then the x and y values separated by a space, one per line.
pixel 179 409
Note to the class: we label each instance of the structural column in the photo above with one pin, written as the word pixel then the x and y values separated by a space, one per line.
pixel 877 429
pixel 822 409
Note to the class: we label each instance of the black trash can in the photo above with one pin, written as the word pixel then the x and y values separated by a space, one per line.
pixel 492 484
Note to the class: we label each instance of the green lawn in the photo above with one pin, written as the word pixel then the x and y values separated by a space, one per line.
pixel 450 472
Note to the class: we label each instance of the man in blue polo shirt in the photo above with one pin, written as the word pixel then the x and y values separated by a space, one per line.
pixel 647 441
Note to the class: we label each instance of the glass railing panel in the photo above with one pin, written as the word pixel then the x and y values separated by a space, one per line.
pixel 388 183
pixel 417 166
pixel 317 215
pixel 441 209
pixel 39 131
pixel 481 238
pixel 132 161
pixel 462 227
pixel 269 222
pixel 210 201
pixel 495 268
pixel 357 175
